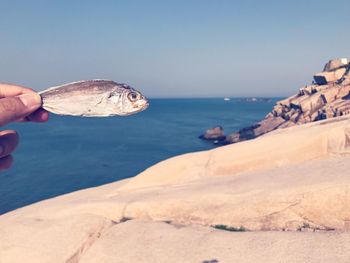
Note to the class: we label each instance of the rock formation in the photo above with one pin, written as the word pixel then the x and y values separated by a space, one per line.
pixel 216 134
pixel 327 97
pixel 293 181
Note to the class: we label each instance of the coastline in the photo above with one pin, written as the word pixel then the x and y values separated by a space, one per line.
pixel 298 184
pixel 100 151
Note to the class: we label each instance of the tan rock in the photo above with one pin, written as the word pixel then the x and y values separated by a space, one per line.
pixel 346 78
pixel 296 117
pixel 303 118
pixel 278 110
pixel 161 242
pixel 295 103
pixel 294 179
pixel 343 92
pixel 286 124
pixel 314 116
pixel 330 94
pixel 323 78
pixel 308 90
pixel 336 63
pixel 287 116
pixel 286 102
pixel 215 133
pixel 312 103
pixel 340 108
pixel 327 112
pixel 321 87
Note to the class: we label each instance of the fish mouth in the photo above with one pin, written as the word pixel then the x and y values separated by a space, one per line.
pixel 140 107
pixel 144 103
pixel 144 107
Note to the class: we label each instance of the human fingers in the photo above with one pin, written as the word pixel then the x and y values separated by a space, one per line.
pixel 9 90
pixel 15 108
pixel 8 142
pixel 6 162
pixel 39 115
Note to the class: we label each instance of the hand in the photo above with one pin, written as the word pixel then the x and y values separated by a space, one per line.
pixel 16 104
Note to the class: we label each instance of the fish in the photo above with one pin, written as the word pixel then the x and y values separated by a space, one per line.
pixel 93 98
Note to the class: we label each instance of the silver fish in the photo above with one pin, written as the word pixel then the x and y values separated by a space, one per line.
pixel 93 98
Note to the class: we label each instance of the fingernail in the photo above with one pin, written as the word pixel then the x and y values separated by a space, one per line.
pixel 30 99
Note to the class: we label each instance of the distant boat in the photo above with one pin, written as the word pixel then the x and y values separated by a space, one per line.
pixel 227 99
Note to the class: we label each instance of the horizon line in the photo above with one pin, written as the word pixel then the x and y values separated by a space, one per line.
pixel 219 97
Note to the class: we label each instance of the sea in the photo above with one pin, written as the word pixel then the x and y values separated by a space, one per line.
pixel 71 153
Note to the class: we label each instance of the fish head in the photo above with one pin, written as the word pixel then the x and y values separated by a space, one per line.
pixel 132 101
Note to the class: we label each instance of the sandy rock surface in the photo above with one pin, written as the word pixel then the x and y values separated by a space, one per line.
pixel 289 189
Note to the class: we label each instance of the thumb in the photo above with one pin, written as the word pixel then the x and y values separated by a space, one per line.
pixel 14 108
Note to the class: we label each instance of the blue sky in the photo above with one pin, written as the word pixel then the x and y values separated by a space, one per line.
pixel 173 48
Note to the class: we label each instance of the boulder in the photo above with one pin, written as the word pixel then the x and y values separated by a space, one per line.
pixel 307 90
pixel 312 103
pixel 216 133
pixel 314 115
pixel 323 78
pixel 335 64
pixel 321 87
pixel 270 123
pixel 330 95
pixel 287 115
pixel 343 92
pixel 278 110
pixel 346 78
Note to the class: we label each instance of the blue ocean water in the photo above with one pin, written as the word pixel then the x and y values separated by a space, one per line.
pixel 70 153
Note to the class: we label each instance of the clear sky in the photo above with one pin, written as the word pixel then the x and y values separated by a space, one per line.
pixel 173 48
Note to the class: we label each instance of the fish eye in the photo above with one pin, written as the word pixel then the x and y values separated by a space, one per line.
pixel 132 96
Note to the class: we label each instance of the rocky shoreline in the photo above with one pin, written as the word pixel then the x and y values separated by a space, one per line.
pixel 327 97
pixel 283 197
